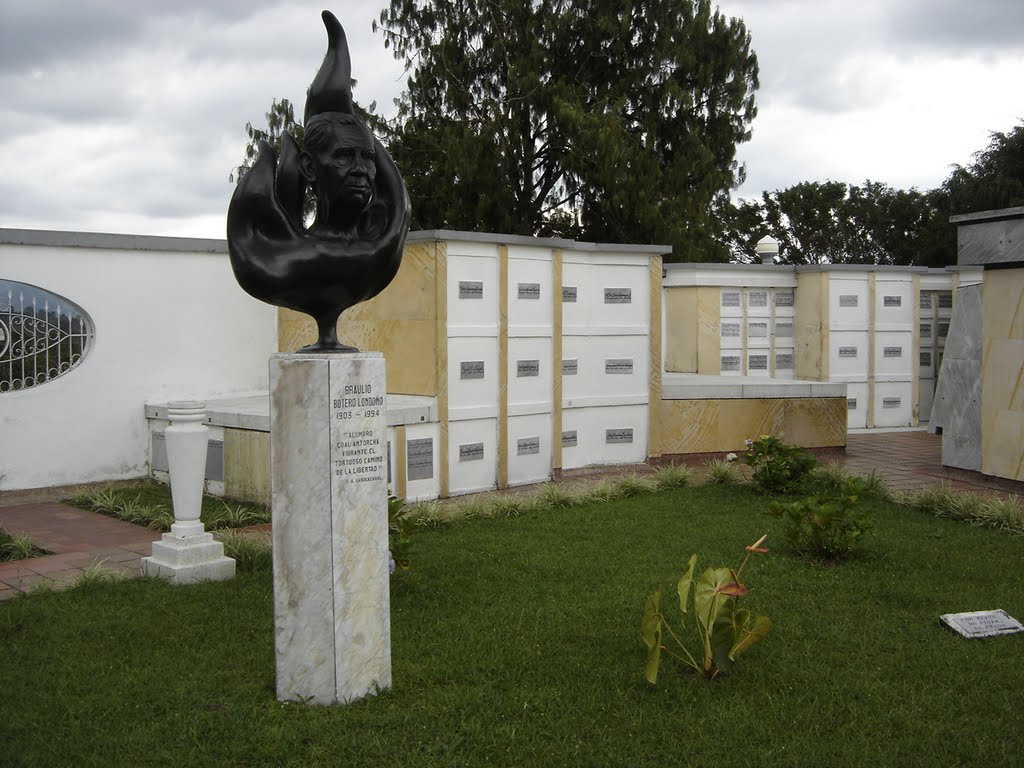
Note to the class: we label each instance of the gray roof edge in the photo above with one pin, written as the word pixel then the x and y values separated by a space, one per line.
pixel 864 268
pixel 550 242
pixel 65 239
pixel 759 268
pixel 999 214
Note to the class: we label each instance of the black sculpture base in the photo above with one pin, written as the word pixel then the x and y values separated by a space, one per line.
pixel 321 346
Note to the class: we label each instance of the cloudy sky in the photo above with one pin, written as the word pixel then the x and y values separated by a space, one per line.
pixel 121 116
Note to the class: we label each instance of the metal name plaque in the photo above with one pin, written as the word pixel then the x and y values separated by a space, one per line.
pixel 758 362
pixel 892 402
pixel 617 366
pixel 926 330
pixel 982 623
pixel 784 362
pixel 471 369
pixel 527 445
pixel 943 329
pixel 848 300
pixel 892 301
pixel 618 435
pixel 471 289
pixel 945 299
pixel 784 330
pixel 527 368
pixel 471 452
pixel 851 403
pixel 926 359
pixel 529 290
pixel 420 459
pixel 757 329
pixel 892 351
pixel 569 294
pixel 618 295
pixel 570 367
pixel 926 301
pixel 730 329
pixel 847 351
pixel 730 299
pixel 731 363
pixel 569 439
pixel 758 299
pixel 784 299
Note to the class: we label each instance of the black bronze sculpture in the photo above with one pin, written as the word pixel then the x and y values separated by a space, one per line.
pixel 353 248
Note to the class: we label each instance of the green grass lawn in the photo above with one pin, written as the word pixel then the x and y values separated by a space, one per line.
pixel 516 643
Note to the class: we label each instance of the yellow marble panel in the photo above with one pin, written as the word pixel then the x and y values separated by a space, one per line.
pixel 705 426
pixel 1002 452
pixel 400 322
pixel 709 331
pixel 1003 304
pixel 441 333
pixel 680 329
pixel 400 449
pixel 810 326
pixel 247 465
pixel 654 395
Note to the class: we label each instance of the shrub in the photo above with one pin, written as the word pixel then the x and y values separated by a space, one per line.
pixel 777 466
pixel 828 524
pixel 721 472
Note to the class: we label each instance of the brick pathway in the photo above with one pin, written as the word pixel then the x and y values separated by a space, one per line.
pixel 80 539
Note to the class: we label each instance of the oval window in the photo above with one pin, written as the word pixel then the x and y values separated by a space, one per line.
pixel 42 335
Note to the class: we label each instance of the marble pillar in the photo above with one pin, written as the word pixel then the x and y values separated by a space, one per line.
pixel 188 553
pixel 328 454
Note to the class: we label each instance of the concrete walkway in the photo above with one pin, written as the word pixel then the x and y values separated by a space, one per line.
pixel 80 540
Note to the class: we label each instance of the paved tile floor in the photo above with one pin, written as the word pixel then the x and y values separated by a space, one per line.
pixel 79 539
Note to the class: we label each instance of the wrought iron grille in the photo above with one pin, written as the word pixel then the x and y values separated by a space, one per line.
pixel 42 335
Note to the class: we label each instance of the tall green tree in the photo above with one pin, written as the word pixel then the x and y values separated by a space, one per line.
pixel 601 119
pixel 994 180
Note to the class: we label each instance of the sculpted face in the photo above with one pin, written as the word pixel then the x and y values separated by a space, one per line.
pixel 341 161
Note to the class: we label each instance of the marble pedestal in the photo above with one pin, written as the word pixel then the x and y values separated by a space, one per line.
pixel 188 553
pixel 328 456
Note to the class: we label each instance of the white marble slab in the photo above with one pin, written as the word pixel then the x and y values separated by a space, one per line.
pixel 329 500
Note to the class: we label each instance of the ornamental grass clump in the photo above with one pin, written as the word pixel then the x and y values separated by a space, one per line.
pixel 777 467
pixel 17 546
pixel 673 476
pixel 721 472
pixel 725 629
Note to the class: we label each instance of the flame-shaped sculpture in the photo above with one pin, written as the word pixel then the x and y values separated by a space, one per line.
pixel 353 248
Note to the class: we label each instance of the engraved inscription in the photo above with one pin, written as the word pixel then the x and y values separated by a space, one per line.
pixel 848 300
pixel 471 452
pixel 526 368
pixel 730 298
pixel 891 402
pixel 420 459
pixel 529 290
pixel 926 330
pixel 730 329
pixel 757 330
pixel 527 445
pixel 617 366
pixel 892 301
pixel 847 351
pixel 943 329
pixel 945 299
pixel 783 298
pixel 784 330
pixel 926 359
pixel 570 367
pixel 926 301
pixel 758 362
pixel 618 295
pixel 851 403
pixel 618 436
pixel 784 361
pixel 357 452
pixel 471 369
pixel 892 351
pixel 730 362
pixel 569 294
pixel 569 439
pixel 758 299
pixel 471 289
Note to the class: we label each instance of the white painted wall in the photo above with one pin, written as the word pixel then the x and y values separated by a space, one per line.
pixel 170 323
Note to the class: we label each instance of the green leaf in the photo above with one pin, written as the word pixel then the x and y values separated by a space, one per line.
pixel 650 633
pixel 749 638
pixel 708 597
pixel 685 582
pixel 723 632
